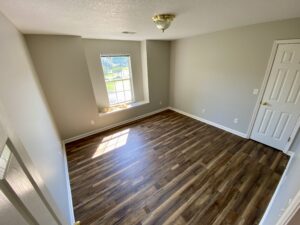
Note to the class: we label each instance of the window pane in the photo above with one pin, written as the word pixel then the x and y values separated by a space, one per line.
pixel 119 86
pixel 128 96
pixel 110 86
pixel 125 73
pixel 115 67
pixel 121 97
pixel 126 85
pixel 112 97
pixel 117 75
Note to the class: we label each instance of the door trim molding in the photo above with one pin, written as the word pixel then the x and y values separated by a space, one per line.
pixel 19 152
pixel 293 135
pixel 264 85
pixel 291 210
pixel 279 185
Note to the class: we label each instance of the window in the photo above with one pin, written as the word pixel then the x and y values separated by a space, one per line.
pixel 118 79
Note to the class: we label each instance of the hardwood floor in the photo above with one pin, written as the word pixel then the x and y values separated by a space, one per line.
pixel 171 169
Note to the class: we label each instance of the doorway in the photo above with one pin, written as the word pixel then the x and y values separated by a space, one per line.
pixel 278 116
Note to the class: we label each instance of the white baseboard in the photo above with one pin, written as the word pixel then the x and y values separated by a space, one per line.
pixel 281 183
pixel 290 153
pixel 238 133
pixel 112 126
pixel 70 201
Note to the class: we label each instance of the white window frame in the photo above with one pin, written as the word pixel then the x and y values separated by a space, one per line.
pixel 130 79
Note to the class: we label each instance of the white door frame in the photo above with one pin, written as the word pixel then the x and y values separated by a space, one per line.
pixel 263 88
pixel 9 137
pixel 291 210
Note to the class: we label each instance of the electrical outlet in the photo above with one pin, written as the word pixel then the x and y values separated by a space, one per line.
pixel 92 122
pixel 203 111
pixel 236 120
pixel 160 102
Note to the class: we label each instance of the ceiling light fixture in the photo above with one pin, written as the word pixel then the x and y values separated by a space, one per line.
pixel 163 21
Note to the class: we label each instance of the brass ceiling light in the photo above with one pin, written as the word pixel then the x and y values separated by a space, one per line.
pixel 163 21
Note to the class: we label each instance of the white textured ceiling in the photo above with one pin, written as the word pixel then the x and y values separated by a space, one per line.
pixel 108 18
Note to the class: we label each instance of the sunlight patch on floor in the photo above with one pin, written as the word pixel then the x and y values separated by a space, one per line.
pixel 112 142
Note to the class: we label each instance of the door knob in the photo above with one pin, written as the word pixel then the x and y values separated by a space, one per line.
pixel 264 103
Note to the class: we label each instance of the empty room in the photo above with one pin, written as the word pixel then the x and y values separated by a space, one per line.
pixel 149 112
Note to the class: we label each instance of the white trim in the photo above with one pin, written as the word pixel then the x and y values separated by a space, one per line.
pixel 238 133
pixel 68 140
pixel 289 41
pixel 291 154
pixel 290 211
pixel 70 201
pixel 281 182
pixel 130 78
pixel 293 135
pixel 264 86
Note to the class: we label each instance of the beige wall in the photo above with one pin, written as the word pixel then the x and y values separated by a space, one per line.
pixel 158 59
pixel 145 69
pixel 28 114
pixel 63 71
pixel 218 71
pixel 95 47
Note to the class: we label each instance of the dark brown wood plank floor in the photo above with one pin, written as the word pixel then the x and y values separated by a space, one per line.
pixel 171 169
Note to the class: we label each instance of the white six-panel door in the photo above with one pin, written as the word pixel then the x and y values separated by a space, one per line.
pixel 279 111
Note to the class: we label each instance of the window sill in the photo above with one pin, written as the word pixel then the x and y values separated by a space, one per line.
pixel 114 109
